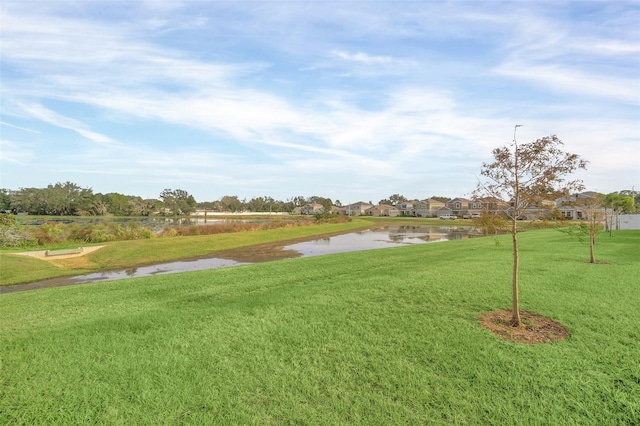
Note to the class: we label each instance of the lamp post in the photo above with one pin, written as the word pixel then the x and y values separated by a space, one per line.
pixel 516 209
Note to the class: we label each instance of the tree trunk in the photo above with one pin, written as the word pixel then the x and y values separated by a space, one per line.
pixel 515 315
pixel 592 242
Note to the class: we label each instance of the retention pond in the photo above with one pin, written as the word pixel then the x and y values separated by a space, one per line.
pixel 374 238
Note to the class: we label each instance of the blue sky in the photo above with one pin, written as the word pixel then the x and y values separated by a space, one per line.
pixel 349 100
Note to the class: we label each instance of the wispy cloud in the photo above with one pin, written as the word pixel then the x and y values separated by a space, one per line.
pixel 362 57
pixel 44 114
pixel 560 78
pixel 4 123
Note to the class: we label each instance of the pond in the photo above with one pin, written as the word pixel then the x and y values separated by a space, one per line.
pixel 369 239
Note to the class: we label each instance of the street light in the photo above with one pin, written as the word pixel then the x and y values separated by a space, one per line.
pixel 514 133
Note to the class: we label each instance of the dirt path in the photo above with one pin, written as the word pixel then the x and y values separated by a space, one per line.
pixel 42 254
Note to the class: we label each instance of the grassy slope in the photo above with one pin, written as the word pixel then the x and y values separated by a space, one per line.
pixel 125 254
pixel 380 337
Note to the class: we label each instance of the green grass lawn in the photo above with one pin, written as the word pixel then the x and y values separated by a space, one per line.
pixel 379 337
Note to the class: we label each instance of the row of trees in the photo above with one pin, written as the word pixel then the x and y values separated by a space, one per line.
pixel 231 203
pixel 69 199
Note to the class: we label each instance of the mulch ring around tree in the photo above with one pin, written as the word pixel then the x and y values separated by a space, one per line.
pixel 534 328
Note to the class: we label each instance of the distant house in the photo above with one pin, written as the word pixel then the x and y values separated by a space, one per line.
pixel 578 206
pixel 442 211
pixel 491 205
pixel 357 209
pixel 458 206
pixel 406 208
pixel 537 210
pixel 465 208
pixel 339 210
pixel 382 210
pixel 427 208
pixel 312 208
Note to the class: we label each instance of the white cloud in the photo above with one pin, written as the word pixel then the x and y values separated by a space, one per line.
pixel 610 47
pixel 362 57
pixel 3 123
pixel 564 79
pixel 44 114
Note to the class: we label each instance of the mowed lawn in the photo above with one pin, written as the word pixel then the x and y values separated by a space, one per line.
pixel 380 337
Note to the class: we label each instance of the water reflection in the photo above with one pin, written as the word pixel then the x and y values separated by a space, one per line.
pixel 382 237
pixel 377 238
pixel 142 271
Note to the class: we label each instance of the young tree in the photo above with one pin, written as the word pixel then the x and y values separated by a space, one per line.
pixel 593 215
pixel 525 175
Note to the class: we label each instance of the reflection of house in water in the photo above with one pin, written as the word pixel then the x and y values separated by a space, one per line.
pixel 432 233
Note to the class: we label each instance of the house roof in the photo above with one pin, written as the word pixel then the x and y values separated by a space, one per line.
pixel 457 200
pixel 491 200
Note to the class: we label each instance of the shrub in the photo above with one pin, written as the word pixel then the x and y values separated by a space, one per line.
pixel 328 217
pixel 133 231
pixel 51 233
pixel 491 224
pixel 12 234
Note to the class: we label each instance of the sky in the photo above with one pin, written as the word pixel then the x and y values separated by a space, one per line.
pixel 349 100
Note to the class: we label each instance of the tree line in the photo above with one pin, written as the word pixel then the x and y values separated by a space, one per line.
pixel 69 199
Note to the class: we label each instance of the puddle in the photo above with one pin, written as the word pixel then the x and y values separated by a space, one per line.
pixel 375 238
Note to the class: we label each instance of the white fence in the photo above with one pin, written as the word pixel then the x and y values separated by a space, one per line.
pixel 629 221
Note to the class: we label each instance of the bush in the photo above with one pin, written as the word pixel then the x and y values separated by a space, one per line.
pixel 12 234
pixel 133 231
pixel 491 224
pixel 328 217
pixel 51 233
